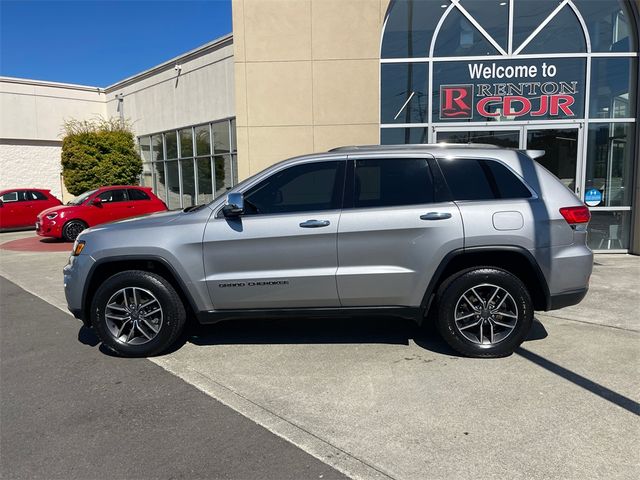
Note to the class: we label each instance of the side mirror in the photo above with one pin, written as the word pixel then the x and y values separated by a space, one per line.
pixel 1 203
pixel 97 202
pixel 234 206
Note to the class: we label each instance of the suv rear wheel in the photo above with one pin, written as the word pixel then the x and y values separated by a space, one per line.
pixel 137 313
pixel 485 312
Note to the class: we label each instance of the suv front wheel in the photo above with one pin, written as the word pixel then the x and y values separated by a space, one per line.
pixel 137 313
pixel 485 312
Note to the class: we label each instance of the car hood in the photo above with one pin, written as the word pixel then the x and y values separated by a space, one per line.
pixel 143 221
pixel 57 209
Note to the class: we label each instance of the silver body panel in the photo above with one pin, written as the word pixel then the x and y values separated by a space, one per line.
pixel 271 262
pixel 363 257
pixel 387 256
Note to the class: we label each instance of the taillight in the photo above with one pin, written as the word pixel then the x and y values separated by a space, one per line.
pixel 576 215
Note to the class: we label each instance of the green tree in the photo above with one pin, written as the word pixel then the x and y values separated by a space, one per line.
pixel 99 152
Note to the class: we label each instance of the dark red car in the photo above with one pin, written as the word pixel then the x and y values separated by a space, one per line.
pixel 19 207
pixel 106 204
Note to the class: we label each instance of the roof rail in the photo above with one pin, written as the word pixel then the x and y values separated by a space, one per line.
pixel 534 153
pixel 409 146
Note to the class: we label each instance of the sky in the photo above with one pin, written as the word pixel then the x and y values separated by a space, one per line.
pixel 96 42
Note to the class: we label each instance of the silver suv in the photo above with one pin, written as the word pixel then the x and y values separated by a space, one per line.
pixel 477 236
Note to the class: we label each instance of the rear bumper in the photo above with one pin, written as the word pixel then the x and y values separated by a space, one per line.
pixel 567 299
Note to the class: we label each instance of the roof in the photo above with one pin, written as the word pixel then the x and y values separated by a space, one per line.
pixel 430 146
pixel 216 44
pixel 415 146
pixel 46 83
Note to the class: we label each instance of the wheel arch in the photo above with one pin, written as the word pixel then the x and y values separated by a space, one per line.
pixel 104 269
pixel 74 219
pixel 516 260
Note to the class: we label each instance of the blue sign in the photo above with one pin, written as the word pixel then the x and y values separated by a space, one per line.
pixel 593 197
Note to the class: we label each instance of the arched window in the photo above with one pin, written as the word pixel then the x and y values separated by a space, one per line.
pixel 520 73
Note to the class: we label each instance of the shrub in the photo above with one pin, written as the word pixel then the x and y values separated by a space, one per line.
pixel 99 152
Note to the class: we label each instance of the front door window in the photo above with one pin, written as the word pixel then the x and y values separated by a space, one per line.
pixel 302 188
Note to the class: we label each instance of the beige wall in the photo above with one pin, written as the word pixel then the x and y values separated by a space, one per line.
pixel 164 98
pixel 32 114
pixel 306 77
pixel 36 110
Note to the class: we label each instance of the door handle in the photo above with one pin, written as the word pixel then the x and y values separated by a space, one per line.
pixel 435 216
pixel 315 223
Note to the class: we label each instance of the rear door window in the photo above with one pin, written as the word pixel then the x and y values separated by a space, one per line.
pixel 35 195
pixel 391 182
pixel 479 179
pixel 135 194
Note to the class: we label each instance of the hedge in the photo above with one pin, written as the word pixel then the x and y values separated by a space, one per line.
pixel 99 152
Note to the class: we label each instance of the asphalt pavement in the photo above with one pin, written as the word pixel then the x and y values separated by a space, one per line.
pixel 71 411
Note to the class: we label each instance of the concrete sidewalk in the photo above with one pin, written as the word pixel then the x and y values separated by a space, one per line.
pixel 384 399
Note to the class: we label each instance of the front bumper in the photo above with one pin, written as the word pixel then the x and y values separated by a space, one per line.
pixel 48 228
pixel 75 274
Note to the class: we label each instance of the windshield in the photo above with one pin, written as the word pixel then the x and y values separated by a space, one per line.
pixel 81 198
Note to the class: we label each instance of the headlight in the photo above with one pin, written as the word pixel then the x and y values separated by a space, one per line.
pixel 51 216
pixel 78 246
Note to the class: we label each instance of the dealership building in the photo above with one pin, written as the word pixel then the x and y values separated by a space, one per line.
pixel 298 76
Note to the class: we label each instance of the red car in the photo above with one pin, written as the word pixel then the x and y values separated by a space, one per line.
pixel 106 204
pixel 19 207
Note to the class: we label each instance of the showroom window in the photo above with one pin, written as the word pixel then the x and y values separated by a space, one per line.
pixel 190 165
pixel 556 75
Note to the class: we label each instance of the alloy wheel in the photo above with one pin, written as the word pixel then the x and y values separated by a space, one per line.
pixel 74 229
pixel 486 314
pixel 133 316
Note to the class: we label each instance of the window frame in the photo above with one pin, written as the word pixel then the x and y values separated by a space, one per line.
pixel 207 129
pixel 126 194
pixel 35 193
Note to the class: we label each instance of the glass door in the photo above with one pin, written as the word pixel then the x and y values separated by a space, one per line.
pixel 562 145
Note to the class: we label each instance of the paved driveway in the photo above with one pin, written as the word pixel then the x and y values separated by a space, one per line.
pixel 384 399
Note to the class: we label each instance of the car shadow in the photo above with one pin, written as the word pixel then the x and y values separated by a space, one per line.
pixel 372 330
pixel 52 240
pixel 87 336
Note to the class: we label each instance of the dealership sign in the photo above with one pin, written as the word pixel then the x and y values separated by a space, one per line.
pixel 509 92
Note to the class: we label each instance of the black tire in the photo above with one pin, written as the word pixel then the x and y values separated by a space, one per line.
pixel 485 281
pixel 72 229
pixel 173 314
